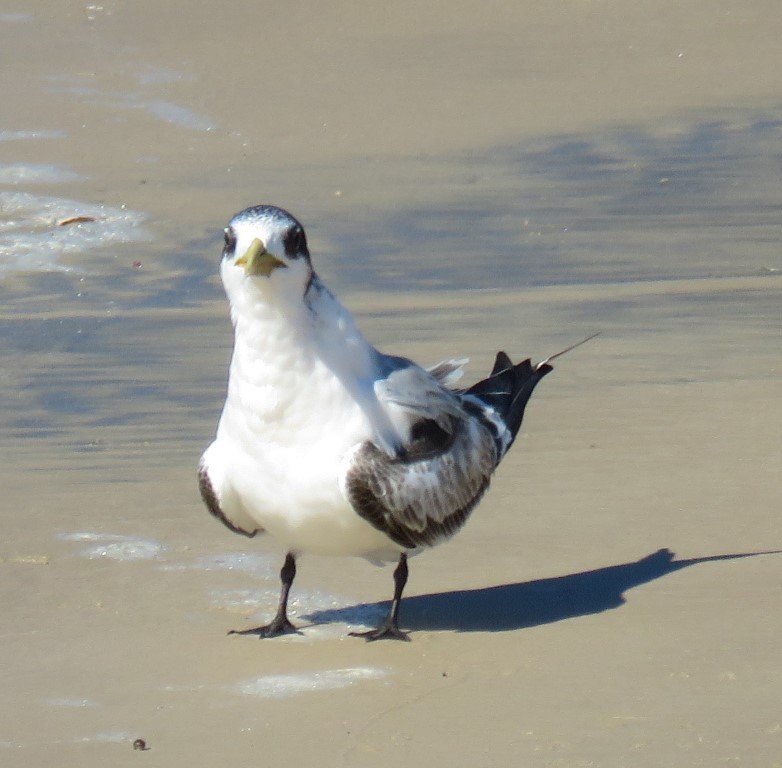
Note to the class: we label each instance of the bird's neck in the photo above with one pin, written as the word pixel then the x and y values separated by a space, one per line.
pixel 298 335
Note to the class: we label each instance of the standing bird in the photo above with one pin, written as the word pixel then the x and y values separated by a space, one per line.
pixel 326 443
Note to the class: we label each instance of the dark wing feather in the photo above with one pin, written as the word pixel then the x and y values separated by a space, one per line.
pixel 425 496
pixel 213 505
pixel 425 492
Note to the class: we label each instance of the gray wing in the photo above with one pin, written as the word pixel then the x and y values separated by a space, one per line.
pixel 416 393
pixel 425 495
pixel 450 443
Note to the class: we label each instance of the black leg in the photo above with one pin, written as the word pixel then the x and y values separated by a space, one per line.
pixel 279 625
pixel 390 627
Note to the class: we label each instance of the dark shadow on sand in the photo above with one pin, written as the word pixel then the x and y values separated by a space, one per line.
pixel 525 604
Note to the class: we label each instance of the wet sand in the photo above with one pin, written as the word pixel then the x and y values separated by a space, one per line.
pixel 503 178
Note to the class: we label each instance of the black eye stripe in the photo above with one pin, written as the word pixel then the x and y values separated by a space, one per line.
pixel 295 243
pixel 230 242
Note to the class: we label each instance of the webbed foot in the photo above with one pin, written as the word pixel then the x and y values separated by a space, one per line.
pixel 387 631
pixel 277 626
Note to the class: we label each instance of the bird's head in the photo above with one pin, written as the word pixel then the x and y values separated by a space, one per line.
pixel 265 248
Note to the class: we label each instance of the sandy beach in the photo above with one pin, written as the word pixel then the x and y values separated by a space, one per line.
pixel 471 178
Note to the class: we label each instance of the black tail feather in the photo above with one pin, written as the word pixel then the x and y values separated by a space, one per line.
pixel 508 389
pixel 509 386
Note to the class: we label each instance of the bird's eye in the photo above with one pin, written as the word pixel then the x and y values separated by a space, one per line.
pixel 295 243
pixel 230 240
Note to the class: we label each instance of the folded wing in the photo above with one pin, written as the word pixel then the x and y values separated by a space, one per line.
pixel 424 496
pixel 424 493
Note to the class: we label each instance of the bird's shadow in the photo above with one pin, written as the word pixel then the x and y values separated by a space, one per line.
pixel 528 603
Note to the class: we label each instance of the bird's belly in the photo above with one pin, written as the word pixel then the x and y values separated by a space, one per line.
pixel 329 531
pixel 285 464
pixel 303 507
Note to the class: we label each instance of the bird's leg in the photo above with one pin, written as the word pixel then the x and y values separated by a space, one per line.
pixel 390 627
pixel 280 624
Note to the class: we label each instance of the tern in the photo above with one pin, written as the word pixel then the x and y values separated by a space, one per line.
pixel 331 446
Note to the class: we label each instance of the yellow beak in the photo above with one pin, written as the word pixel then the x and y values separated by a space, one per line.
pixel 258 261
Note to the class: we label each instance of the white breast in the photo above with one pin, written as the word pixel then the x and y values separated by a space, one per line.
pixel 298 393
